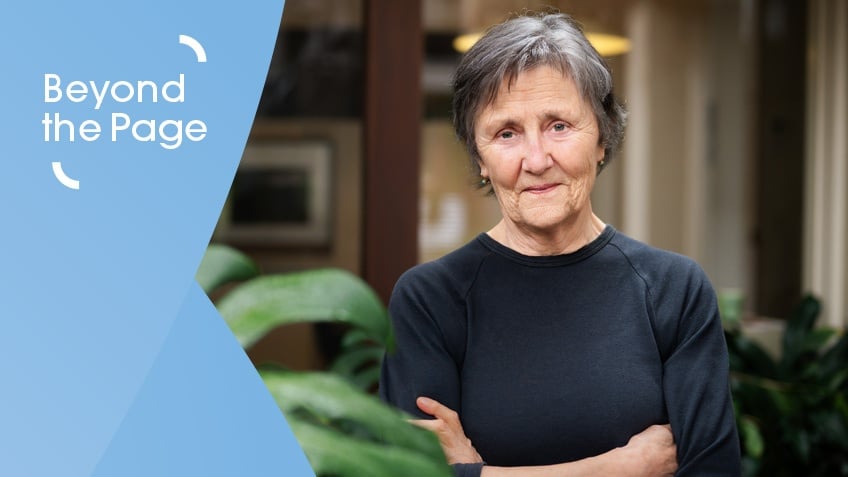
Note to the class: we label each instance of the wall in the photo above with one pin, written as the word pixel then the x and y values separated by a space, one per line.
pixel 826 200
pixel 688 156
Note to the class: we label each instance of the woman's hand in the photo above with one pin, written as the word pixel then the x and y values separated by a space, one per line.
pixel 650 453
pixel 455 444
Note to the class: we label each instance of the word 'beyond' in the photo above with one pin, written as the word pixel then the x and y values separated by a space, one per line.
pixel 119 91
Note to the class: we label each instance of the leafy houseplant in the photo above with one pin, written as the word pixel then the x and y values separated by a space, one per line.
pixel 793 412
pixel 343 430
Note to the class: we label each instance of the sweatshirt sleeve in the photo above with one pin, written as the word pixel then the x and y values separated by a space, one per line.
pixel 426 325
pixel 468 470
pixel 428 319
pixel 696 379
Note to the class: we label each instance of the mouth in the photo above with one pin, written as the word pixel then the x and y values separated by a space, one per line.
pixel 541 188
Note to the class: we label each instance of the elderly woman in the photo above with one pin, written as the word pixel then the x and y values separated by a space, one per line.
pixel 554 344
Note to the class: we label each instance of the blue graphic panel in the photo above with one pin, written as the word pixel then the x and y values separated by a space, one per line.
pixel 218 419
pixel 119 144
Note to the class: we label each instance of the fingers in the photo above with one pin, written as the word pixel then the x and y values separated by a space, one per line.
pixel 663 433
pixel 658 433
pixel 652 452
pixel 447 427
pixel 444 418
pixel 437 409
pixel 429 424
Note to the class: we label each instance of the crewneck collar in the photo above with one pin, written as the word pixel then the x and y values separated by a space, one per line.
pixel 549 260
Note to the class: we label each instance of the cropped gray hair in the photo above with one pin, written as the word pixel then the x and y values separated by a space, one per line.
pixel 523 43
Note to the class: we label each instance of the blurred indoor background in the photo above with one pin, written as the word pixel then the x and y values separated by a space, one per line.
pixel 735 153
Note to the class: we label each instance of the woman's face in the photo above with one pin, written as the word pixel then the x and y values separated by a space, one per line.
pixel 538 144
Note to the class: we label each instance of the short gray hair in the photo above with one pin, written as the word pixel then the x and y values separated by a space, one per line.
pixel 525 42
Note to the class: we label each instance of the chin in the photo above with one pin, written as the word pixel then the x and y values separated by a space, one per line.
pixel 546 222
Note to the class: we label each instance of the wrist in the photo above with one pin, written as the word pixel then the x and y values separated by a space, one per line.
pixel 612 462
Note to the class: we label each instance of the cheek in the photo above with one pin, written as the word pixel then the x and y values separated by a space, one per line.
pixel 493 163
pixel 594 154
pixel 579 162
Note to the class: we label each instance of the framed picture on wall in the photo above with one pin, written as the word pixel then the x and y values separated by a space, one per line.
pixel 281 195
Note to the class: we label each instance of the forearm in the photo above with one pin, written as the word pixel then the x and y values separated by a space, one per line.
pixel 602 465
pixel 651 453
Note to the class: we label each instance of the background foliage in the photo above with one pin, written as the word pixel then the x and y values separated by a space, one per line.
pixel 343 430
pixel 792 412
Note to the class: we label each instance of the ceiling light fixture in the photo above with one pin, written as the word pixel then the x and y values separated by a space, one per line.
pixel 606 44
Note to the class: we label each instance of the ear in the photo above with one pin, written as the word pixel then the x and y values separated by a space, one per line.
pixel 484 171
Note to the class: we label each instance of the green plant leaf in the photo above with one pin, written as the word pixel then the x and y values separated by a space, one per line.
pixel 800 440
pixel 746 356
pixel 333 454
pixel 353 360
pixel 354 338
pixel 260 305
pixel 797 329
pixel 786 402
pixel 800 411
pixel 367 379
pixel 335 400
pixel 831 426
pixel 835 359
pixel 360 365
pixel 816 339
pixel 222 264
pixel 837 381
pixel 751 436
pixel 750 466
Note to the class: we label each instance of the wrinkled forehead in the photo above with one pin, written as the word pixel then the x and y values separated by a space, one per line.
pixel 503 84
pixel 506 80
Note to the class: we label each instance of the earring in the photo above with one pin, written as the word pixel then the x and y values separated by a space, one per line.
pixel 484 181
pixel 601 164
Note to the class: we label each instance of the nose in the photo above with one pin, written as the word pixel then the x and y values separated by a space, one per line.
pixel 536 158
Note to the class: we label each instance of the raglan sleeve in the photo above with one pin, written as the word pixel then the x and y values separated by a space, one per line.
pixel 428 323
pixel 696 380
pixel 425 360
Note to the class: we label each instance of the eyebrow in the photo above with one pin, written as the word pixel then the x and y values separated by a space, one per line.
pixel 547 115
pixel 550 114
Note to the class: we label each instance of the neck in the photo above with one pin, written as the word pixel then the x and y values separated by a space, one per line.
pixel 567 238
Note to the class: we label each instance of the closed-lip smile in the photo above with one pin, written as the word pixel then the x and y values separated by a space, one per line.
pixel 540 188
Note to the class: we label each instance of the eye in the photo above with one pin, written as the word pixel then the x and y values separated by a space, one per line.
pixel 559 127
pixel 506 134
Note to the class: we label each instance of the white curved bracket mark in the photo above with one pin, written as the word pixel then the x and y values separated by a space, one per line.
pixel 194 45
pixel 63 178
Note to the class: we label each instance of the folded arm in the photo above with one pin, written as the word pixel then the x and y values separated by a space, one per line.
pixel 650 453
